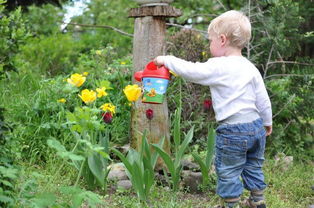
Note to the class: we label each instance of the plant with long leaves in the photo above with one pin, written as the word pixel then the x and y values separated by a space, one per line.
pixel 140 167
pixel 89 158
pixel 174 165
pixel 205 166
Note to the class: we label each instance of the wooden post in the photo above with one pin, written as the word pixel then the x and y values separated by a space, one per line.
pixel 149 42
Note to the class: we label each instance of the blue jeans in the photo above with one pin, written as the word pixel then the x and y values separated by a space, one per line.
pixel 240 152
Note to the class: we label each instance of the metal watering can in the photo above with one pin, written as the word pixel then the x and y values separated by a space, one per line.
pixel 155 82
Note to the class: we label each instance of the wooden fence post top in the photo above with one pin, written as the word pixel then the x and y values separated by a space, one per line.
pixel 156 11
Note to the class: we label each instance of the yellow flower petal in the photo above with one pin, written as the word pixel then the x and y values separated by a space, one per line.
pixel 108 107
pixel 76 79
pixel 85 74
pixel 88 96
pixel 101 92
pixel 62 100
pixel 132 92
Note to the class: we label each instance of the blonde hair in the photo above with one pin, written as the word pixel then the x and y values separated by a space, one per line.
pixel 235 25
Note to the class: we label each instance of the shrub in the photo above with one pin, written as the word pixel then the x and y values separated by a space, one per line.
pixel 13 34
pixel 49 55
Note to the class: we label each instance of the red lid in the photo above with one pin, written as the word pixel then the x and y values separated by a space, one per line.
pixel 152 70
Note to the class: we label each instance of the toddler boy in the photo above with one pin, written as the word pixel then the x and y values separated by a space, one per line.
pixel 241 104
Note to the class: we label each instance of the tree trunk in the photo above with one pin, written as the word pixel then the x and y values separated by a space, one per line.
pixel 149 42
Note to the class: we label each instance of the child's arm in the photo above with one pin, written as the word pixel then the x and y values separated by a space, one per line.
pixel 201 73
pixel 263 103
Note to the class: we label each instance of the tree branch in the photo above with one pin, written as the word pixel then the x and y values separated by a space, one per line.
pixel 221 4
pixel 131 35
pixel 289 62
pixel 101 26
pixel 268 60
pixel 182 26
pixel 291 75
pixel 289 101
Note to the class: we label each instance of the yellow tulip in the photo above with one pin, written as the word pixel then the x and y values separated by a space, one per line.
pixel 85 74
pixel 62 100
pixel 108 107
pixel 76 79
pixel 123 63
pixel 88 96
pixel 132 92
pixel 101 92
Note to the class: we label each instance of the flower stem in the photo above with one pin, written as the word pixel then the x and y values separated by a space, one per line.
pixel 80 173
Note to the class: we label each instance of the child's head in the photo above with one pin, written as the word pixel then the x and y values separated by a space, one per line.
pixel 234 25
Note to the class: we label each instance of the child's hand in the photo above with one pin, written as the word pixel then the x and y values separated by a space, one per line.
pixel 159 61
pixel 269 130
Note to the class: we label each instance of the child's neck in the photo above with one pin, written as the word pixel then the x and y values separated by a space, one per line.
pixel 232 51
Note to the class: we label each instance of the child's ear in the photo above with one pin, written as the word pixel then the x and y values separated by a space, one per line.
pixel 223 40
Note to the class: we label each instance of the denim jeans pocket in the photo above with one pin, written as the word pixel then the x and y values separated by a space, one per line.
pixel 233 151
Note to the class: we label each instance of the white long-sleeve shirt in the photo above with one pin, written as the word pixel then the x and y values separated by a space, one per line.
pixel 235 84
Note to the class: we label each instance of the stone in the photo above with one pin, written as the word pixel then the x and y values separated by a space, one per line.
pixel 117 175
pixel 125 148
pixel 116 166
pixel 192 181
pixel 124 184
pixel 161 179
pixel 189 165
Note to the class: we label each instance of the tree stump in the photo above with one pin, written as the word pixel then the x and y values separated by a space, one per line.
pixel 149 42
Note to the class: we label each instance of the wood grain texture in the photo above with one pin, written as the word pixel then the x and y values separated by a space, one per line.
pixel 149 42
pixel 156 11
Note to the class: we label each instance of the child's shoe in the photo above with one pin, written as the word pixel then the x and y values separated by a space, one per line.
pixel 254 204
pixel 224 204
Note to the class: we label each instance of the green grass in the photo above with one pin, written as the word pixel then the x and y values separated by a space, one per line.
pixel 286 189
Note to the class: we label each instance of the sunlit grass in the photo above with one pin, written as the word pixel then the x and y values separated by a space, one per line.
pixel 286 189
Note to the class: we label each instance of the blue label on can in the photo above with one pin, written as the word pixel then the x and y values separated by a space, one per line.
pixel 154 89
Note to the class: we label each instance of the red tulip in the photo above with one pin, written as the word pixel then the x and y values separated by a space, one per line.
pixel 207 104
pixel 107 117
pixel 149 114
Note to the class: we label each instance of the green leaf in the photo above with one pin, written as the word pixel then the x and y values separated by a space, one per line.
pixel 77 200
pixel 166 158
pixel 71 156
pixel 126 163
pixel 55 144
pixel 62 152
pixel 6 183
pixel 6 199
pixel 106 84
pixel 184 145
pixel 155 154
pixel 95 165
pixel 177 137
pixel 88 176
pixel 44 200
pixel 71 117
pixel 210 146
pixel 138 179
pixel 204 168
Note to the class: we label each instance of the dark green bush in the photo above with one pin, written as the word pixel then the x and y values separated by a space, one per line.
pixel 13 34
